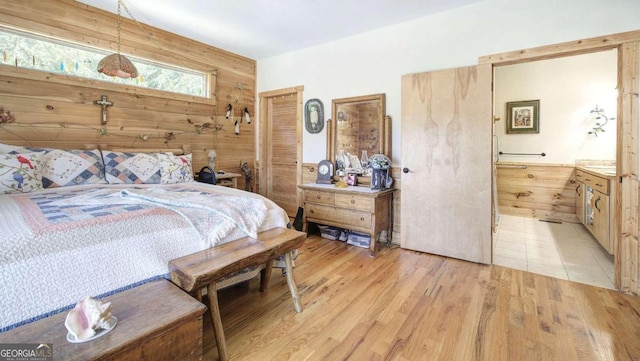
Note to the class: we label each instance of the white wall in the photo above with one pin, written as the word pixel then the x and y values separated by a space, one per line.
pixel 374 62
pixel 568 89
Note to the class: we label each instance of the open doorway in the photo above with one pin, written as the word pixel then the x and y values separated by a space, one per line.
pixel 625 203
pixel 540 224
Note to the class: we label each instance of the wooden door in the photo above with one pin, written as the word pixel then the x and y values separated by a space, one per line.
pixel 446 160
pixel 282 147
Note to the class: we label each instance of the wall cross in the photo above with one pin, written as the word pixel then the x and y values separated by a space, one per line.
pixel 104 103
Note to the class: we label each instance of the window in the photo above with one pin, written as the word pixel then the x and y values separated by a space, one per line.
pixel 32 51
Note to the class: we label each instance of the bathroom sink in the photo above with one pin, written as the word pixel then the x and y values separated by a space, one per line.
pixel 606 170
pixel 602 167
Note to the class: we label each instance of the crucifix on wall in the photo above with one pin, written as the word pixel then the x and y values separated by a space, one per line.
pixel 104 103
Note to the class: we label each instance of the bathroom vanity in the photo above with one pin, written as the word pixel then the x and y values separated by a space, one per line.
pixel 595 194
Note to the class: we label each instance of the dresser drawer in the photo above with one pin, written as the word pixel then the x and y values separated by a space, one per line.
pixel 354 201
pixel 347 218
pixel 596 182
pixel 319 197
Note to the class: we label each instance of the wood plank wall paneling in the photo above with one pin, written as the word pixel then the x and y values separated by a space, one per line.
pixel 57 110
pixel 627 194
pixel 368 119
pixel 540 191
pixel 309 176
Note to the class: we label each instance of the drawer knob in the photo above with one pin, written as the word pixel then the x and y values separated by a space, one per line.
pixel 598 184
pixel 318 196
pixel 353 201
pixel 311 211
pixel 362 219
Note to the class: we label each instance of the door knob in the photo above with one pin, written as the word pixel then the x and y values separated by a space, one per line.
pixel 406 170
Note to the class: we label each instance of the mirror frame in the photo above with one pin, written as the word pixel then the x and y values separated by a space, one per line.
pixel 384 129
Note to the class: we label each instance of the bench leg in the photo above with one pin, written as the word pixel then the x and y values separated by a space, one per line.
pixel 292 283
pixel 265 276
pixel 214 312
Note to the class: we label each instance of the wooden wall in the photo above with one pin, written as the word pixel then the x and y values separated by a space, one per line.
pixel 57 110
pixel 368 127
pixel 539 191
pixel 358 118
pixel 347 130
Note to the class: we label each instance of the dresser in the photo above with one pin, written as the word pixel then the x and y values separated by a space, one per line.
pixel 355 208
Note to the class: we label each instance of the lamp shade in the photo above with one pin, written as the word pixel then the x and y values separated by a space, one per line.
pixel 117 65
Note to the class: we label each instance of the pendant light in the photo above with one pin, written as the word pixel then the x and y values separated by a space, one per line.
pixel 117 64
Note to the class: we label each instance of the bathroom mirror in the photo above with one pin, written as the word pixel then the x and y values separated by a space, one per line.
pixel 358 125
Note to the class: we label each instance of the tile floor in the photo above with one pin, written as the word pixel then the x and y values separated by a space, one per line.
pixel 567 251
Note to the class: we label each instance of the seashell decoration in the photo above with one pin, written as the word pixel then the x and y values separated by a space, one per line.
pixel 88 316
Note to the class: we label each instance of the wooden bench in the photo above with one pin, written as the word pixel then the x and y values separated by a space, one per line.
pixel 156 321
pixel 205 268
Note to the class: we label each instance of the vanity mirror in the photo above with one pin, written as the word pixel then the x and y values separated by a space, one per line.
pixel 358 129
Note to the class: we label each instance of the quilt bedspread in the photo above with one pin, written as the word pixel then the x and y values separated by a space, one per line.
pixel 61 245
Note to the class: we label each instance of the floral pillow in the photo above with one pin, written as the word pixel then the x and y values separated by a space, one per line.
pixel 175 168
pixel 19 173
pixel 131 168
pixel 72 167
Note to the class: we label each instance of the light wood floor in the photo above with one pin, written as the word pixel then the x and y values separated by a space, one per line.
pixel 406 305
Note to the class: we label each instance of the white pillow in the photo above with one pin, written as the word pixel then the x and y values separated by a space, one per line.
pixel 131 168
pixel 175 168
pixel 72 167
pixel 20 173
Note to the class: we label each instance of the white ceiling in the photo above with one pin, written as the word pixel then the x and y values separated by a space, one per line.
pixel 260 29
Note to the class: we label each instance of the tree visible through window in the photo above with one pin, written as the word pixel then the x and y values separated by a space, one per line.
pixel 31 51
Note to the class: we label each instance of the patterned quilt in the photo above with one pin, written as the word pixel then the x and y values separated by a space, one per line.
pixel 63 244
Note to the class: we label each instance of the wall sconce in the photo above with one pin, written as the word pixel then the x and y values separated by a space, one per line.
pixel 598 114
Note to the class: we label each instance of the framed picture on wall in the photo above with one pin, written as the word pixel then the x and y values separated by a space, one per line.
pixel 523 117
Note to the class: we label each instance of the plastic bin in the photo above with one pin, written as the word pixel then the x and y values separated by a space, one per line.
pixel 329 232
pixel 359 239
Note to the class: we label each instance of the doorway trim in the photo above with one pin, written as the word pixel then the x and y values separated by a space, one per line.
pixel 262 166
pixel 627 253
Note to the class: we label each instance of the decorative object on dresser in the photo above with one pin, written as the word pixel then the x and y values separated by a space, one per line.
pixel 314 116
pixel 523 117
pixel 325 172
pixel 380 178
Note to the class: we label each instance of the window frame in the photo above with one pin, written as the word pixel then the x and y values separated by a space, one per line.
pixel 209 96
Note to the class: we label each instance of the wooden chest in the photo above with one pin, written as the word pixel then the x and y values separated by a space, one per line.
pixel 156 321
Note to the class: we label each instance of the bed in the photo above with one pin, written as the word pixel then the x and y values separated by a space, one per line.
pixel 93 223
